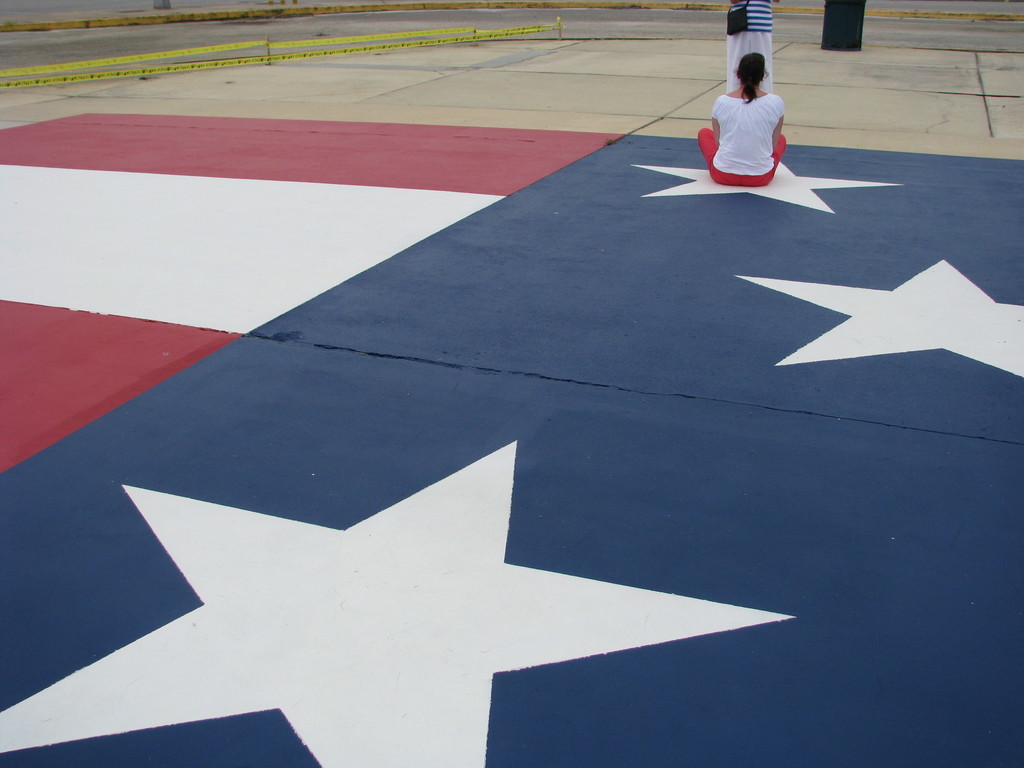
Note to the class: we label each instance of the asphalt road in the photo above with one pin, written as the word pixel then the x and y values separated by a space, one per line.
pixel 22 49
pixel 10 8
pixel 36 7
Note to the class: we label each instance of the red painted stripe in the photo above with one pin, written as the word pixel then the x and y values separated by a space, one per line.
pixel 494 161
pixel 61 369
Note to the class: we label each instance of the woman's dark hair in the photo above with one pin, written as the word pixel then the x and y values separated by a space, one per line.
pixel 750 73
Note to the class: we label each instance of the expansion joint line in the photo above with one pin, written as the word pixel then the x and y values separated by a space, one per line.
pixel 676 108
pixel 984 95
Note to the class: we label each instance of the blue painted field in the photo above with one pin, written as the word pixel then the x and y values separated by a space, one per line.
pixel 534 491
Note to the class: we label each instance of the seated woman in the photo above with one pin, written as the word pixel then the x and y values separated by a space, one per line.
pixel 746 143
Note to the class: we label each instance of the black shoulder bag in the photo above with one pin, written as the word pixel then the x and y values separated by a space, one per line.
pixel 736 19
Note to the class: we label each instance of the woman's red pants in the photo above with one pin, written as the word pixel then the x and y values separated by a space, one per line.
pixel 708 147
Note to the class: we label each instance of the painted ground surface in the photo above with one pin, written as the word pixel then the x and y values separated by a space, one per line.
pixel 509 448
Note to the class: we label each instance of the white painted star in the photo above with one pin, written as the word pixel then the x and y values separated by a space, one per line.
pixel 786 186
pixel 937 309
pixel 378 643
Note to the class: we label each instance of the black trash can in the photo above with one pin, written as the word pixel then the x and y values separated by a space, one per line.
pixel 843 26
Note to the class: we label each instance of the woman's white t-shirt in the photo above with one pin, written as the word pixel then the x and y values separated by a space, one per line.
pixel 745 133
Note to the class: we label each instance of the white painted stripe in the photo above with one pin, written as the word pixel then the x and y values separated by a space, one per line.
pixel 228 254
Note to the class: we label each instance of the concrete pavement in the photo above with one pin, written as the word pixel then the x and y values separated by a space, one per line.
pixel 904 99
pixel 661 370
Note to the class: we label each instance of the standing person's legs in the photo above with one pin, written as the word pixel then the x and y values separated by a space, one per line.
pixel 739 45
pixel 764 47
pixel 734 51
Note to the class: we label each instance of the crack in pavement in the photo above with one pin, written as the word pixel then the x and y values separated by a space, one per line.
pixel 616 387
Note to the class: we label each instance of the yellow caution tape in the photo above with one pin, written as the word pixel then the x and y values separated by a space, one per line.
pixel 411 44
pixel 129 59
pixel 366 38
pixel 486 35
pixel 110 62
pixel 134 72
pixel 265 59
pixel 512 31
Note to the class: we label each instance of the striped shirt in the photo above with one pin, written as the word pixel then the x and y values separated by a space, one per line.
pixel 759 15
